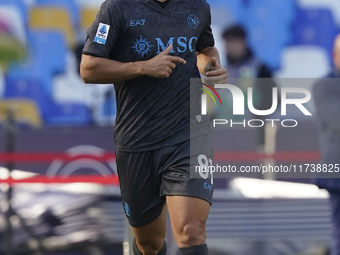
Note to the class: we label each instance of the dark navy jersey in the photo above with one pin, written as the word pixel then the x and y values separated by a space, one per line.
pixel 153 112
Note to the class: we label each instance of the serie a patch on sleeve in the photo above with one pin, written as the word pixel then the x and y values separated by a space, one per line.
pixel 102 33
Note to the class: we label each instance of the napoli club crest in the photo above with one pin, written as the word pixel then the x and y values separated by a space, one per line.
pixel 193 21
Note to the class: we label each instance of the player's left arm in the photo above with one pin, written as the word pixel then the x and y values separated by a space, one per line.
pixel 208 62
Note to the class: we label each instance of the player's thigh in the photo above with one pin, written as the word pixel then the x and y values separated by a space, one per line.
pixel 188 216
pixel 153 234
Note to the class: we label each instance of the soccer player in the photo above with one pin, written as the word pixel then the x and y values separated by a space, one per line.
pixel 150 49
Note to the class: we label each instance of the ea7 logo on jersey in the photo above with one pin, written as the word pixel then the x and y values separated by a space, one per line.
pixel 102 33
pixel 138 22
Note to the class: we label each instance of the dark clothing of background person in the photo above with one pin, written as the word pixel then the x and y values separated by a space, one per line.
pixel 327 100
pixel 249 64
pixel 243 64
pixel 262 71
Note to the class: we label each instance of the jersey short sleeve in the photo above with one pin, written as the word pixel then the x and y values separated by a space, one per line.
pixel 103 34
pixel 206 38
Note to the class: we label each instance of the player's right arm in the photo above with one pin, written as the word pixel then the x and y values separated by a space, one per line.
pixel 102 70
pixel 102 38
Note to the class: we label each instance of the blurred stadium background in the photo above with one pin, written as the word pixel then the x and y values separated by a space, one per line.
pixel 40 47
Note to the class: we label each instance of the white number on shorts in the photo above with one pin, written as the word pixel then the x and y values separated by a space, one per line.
pixel 204 163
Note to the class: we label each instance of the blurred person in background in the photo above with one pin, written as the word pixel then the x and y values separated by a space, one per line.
pixel 244 66
pixel 327 101
pixel 240 57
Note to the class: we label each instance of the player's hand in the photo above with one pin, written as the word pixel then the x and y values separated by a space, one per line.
pixel 216 74
pixel 161 66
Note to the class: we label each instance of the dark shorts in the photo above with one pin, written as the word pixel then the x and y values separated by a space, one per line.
pixel 147 177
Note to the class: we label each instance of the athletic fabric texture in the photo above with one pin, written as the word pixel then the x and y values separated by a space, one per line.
pixel 147 177
pixel 154 112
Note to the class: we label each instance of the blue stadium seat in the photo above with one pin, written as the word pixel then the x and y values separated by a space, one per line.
pixel 109 108
pixel 69 114
pixel 271 10
pixel 271 16
pixel 315 27
pixel 20 4
pixel 32 70
pixel 268 23
pixel 267 42
pixel 21 86
pixel 234 10
pixel 48 50
pixel 70 5
pixel 269 51
pixel 47 57
pixel 2 82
